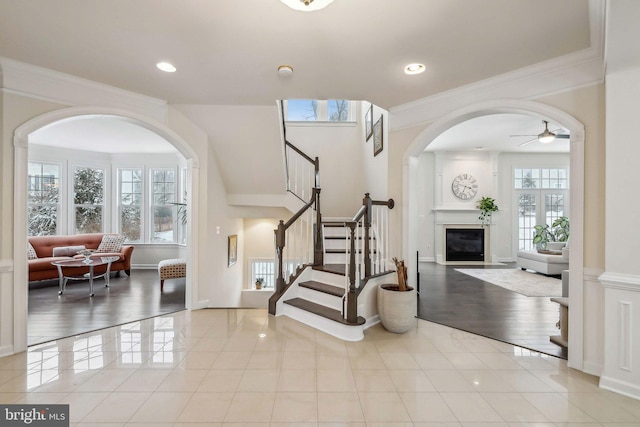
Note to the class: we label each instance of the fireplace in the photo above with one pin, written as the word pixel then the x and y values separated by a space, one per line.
pixel 464 244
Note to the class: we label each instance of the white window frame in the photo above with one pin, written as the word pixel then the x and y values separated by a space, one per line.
pixel 323 113
pixel 59 204
pixel 106 202
pixel 151 206
pixel 143 214
pixel 540 194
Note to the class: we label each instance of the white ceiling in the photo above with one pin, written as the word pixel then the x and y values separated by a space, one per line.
pixel 493 133
pixel 103 134
pixel 227 51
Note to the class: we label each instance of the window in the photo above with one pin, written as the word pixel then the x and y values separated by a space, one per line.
pixel 88 200
pixel 314 110
pixel 130 204
pixel 541 194
pixel 43 198
pixel 163 195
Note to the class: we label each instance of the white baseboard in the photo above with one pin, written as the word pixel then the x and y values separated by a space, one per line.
pixel 620 387
pixel 427 259
pixel 144 266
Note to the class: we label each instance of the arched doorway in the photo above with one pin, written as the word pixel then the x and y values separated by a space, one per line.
pixel 542 111
pixel 21 156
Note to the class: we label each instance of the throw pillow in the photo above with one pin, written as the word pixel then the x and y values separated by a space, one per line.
pixel 111 243
pixel 67 250
pixel 31 253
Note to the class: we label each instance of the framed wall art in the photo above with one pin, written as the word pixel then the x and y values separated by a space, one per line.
pixel 368 122
pixel 377 137
pixel 232 250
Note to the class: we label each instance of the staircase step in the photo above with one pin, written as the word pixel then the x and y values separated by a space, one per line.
pixel 342 251
pixel 340 269
pixel 323 287
pixel 321 310
pixel 344 238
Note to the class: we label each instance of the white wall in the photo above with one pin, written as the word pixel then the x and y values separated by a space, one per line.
pixel 338 148
pixel 375 169
pixel 494 175
pixel 621 278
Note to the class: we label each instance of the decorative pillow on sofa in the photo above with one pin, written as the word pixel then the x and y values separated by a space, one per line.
pixel 31 253
pixel 67 250
pixel 111 243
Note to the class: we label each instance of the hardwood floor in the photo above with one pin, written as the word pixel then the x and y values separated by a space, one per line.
pixel 463 302
pixel 128 298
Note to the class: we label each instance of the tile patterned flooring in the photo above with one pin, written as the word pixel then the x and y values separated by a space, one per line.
pixel 240 367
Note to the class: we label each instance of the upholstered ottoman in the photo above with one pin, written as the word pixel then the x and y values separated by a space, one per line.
pixel 171 269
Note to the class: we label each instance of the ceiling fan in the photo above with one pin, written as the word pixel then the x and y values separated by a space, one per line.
pixel 545 137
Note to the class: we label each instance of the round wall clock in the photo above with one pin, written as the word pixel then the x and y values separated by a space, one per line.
pixel 464 186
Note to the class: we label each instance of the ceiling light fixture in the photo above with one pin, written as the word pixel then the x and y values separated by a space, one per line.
pixel 546 136
pixel 285 70
pixel 307 5
pixel 412 69
pixel 167 67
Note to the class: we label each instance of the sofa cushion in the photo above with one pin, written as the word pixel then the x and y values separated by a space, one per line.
pixel 67 250
pixel 31 253
pixel 111 243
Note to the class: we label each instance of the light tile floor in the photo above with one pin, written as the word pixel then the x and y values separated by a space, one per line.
pixel 234 367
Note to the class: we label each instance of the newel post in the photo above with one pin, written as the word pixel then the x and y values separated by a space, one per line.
pixel 318 246
pixel 352 298
pixel 280 242
pixel 367 227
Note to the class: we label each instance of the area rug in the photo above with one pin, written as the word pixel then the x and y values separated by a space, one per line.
pixel 517 280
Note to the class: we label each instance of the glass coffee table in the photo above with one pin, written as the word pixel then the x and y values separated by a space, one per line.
pixel 66 268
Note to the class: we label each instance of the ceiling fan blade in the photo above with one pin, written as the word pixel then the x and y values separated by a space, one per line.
pixel 528 142
pixel 521 135
pixel 563 136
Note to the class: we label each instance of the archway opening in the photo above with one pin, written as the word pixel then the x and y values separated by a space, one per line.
pixel 122 142
pixel 412 215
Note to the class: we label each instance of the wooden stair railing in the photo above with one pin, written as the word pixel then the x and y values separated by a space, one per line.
pixel 373 229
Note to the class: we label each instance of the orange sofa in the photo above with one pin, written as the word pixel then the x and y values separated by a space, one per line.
pixel 42 269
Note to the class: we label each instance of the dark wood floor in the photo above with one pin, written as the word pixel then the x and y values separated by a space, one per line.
pixel 463 302
pixel 127 299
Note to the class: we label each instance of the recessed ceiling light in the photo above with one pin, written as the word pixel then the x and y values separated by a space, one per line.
pixel 414 69
pixel 167 67
pixel 307 5
pixel 285 70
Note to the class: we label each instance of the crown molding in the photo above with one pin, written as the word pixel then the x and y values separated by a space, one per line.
pixel 42 83
pixel 578 69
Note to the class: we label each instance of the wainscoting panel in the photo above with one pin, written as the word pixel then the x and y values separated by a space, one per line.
pixel 622 336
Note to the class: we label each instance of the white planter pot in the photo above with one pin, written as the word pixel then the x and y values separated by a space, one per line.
pixel 396 309
pixel 555 246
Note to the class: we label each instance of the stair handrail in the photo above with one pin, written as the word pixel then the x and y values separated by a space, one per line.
pixel 302 172
pixel 313 236
pixel 360 257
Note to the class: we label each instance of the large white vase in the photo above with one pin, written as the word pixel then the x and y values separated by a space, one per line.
pixel 396 309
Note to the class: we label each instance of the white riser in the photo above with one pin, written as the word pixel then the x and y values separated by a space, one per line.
pixel 320 298
pixel 334 244
pixel 335 258
pixel 335 231
pixel 328 278
pixel 346 333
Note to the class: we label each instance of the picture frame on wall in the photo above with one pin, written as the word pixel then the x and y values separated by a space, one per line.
pixel 377 137
pixel 368 121
pixel 232 250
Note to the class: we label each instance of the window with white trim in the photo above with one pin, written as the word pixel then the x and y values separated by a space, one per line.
pixel 542 196
pixel 318 110
pixel 130 203
pixel 88 200
pixel 43 198
pixel 163 209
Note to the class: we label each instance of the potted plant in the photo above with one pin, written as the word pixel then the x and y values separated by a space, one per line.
pixel 554 237
pixel 259 282
pixel 487 206
pixel 397 302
